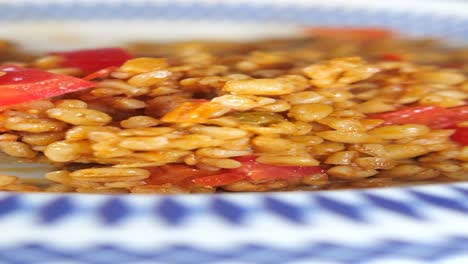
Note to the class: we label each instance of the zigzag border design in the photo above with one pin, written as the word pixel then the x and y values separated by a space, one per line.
pixel 385 249
pixel 410 204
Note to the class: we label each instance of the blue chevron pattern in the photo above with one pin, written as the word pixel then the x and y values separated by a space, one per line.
pixel 425 24
pixel 384 250
pixel 229 211
pixel 443 202
pixel 285 210
pixel 111 210
pixel 172 211
pixel 56 210
pixel 395 206
pixel 8 205
pixel 352 211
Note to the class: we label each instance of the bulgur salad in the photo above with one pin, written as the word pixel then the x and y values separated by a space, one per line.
pixel 343 108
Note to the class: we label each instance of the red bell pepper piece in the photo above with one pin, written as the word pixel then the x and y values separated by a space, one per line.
pixel 461 136
pixel 92 60
pixel 432 116
pixel 19 85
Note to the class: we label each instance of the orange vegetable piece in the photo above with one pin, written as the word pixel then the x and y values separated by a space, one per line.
pixel 193 112
pixel 359 33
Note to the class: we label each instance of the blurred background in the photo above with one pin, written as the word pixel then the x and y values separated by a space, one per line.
pixel 65 23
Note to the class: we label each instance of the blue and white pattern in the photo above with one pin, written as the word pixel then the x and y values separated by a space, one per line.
pixel 414 225
pixel 294 208
pixel 325 252
pixel 426 17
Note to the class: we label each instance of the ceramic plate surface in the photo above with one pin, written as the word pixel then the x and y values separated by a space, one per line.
pixel 424 224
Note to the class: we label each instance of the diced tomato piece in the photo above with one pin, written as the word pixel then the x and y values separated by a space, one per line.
pixel 259 172
pixel 363 33
pixel 180 175
pixel 432 116
pixel 461 136
pixel 220 179
pixel 101 74
pixel 91 60
pixel 246 159
pixel 251 169
pixel 461 112
pixel 392 57
pixel 452 65
pixel 187 176
pixel 21 85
